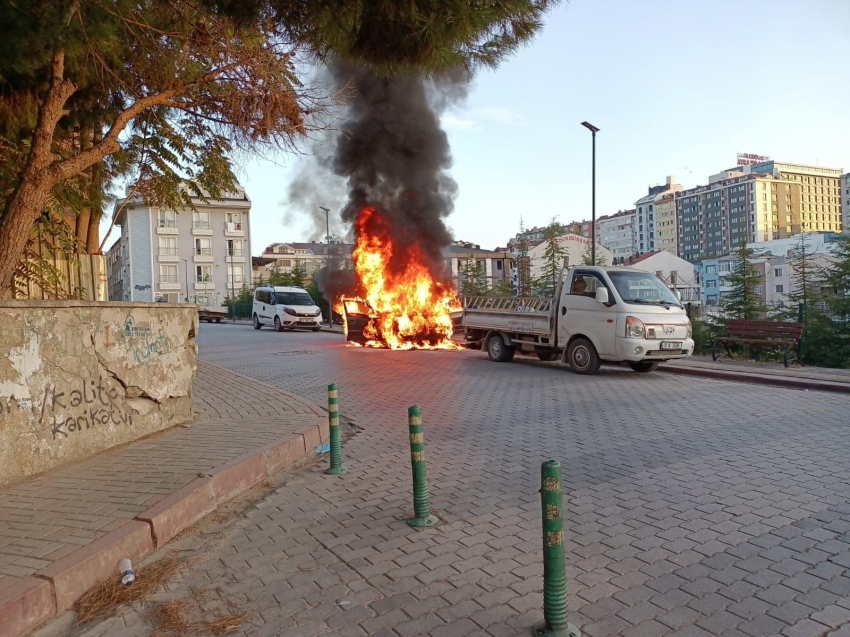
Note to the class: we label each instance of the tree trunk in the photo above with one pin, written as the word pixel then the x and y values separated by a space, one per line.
pixel 82 229
pixel 23 209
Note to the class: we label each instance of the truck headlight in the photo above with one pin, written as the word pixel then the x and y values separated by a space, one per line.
pixel 690 329
pixel 635 328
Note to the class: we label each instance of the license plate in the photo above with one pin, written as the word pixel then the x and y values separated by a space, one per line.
pixel 671 345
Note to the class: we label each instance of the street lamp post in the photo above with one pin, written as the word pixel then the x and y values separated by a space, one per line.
pixel 232 286
pixel 328 260
pixel 186 271
pixel 593 131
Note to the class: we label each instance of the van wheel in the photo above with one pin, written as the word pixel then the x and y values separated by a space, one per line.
pixel 643 367
pixel 317 329
pixel 546 354
pixel 257 324
pixel 277 326
pixel 218 320
pixel 498 351
pixel 582 357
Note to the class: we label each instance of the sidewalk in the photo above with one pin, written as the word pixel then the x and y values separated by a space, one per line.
pixel 66 530
pixel 814 378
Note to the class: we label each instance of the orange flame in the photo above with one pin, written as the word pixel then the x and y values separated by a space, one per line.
pixel 412 310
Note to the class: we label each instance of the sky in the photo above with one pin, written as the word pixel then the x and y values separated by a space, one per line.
pixel 676 87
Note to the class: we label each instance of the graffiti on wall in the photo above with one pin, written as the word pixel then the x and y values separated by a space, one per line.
pixel 85 404
pixel 140 342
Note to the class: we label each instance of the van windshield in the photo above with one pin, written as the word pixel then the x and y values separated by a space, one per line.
pixel 641 287
pixel 293 298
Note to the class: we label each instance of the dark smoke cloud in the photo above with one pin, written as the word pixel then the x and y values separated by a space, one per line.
pixel 390 153
pixel 395 156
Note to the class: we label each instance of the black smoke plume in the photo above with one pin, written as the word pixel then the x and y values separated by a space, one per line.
pixel 394 156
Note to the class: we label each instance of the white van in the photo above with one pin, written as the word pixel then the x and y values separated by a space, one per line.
pixel 282 307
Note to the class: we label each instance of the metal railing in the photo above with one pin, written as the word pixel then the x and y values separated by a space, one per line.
pixel 168 252
pixel 168 278
pixel 532 305
pixel 233 226
pixel 205 251
pixel 205 225
pixel 168 223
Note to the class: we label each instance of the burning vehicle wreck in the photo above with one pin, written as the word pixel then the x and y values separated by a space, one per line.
pixel 361 324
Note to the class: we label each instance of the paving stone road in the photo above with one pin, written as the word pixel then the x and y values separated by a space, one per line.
pixel 694 507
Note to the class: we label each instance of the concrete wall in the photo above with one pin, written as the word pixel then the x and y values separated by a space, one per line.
pixel 77 378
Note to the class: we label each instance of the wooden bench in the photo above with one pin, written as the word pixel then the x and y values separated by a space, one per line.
pixel 760 334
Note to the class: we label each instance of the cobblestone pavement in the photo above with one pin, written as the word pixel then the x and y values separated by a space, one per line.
pixel 47 518
pixel 694 507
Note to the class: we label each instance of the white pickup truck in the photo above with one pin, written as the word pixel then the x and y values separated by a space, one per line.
pixel 595 314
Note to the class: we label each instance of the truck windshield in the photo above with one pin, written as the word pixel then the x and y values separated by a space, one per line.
pixel 641 287
pixel 293 298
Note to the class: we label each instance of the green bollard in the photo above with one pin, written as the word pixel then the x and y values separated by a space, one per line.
pixel 336 467
pixel 555 604
pixel 421 507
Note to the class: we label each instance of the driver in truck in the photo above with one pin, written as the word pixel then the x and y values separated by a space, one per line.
pixel 579 287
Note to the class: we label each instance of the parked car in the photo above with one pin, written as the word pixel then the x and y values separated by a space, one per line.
pixel 285 307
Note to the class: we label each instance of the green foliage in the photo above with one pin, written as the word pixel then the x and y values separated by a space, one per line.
pixel 828 322
pixel 804 289
pixel 473 282
pixel 318 297
pixel 553 254
pixel 587 257
pixel 430 36
pixel 742 301
pixel 501 288
pixel 243 304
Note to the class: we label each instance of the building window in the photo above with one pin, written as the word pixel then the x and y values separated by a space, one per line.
pixel 780 288
pixel 168 273
pixel 777 272
pixel 757 289
pixel 168 246
pixel 203 246
pixel 201 219
pixel 234 248
pixel 203 273
pixel 235 276
pixel 499 266
pixel 167 219
pixel 711 269
pixel 284 263
pixel 711 284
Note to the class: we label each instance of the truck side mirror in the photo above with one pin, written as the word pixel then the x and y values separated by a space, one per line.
pixel 601 295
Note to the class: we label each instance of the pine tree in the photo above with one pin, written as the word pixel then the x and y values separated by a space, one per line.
pixel 742 301
pixel 804 290
pixel 827 339
pixel 297 276
pixel 474 282
pixel 587 257
pixel 553 254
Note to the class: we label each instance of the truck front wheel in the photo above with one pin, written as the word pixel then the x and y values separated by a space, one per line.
pixel 582 357
pixel 498 351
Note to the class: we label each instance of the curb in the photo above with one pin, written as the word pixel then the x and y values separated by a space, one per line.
pixel 29 603
pixel 759 379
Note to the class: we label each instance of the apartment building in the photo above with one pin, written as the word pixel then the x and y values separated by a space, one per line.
pixel 845 202
pixel 462 257
pixel 763 202
pixel 310 257
pixel 646 221
pixel 186 256
pixel 115 269
pixel 666 223
pixel 617 233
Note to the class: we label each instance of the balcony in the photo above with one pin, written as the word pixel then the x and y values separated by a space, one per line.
pixel 168 255
pixel 233 229
pixel 201 228
pixel 203 255
pixel 236 282
pixel 169 282
pixel 166 226
pixel 204 285
pixel 237 256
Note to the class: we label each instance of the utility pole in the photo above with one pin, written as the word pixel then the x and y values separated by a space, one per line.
pixel 593 131
pixel 186 271
pixel 328 261
pixel 232 287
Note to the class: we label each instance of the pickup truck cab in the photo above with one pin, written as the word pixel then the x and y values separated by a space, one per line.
pixel 596 314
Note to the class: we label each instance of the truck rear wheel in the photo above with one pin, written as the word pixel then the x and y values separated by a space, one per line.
pixel 643 367
pixel 498 351
pixel 582 357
